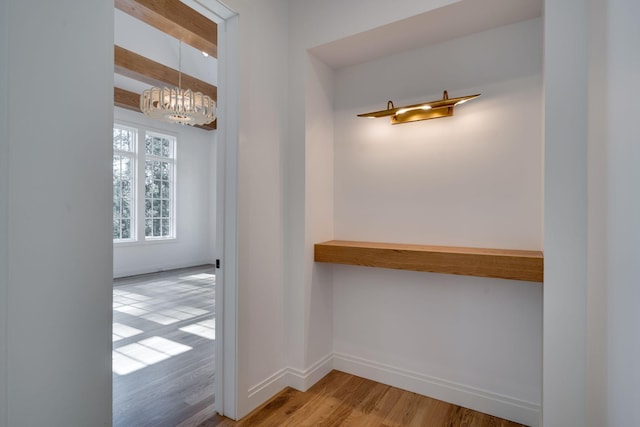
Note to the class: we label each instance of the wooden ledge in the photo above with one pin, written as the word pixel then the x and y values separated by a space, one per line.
pixel 498 263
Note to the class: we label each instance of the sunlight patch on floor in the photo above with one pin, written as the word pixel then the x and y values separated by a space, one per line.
pixel 132 357
pixel 205 329
pixel 121 331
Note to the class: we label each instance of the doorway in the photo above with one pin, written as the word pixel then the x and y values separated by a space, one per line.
pixel 225 140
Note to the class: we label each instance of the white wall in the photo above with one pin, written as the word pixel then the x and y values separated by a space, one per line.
pixel 69 383
pixel 57 78
pixel 591 344
pixel 274 255
pixel 309 172
pixel 309 285
pixel 318 217
pixel 4 207
pixel 471 180
pixel 196 188
pixel 565 214
pixel 596 292
pixel 262 78
pixel 623 222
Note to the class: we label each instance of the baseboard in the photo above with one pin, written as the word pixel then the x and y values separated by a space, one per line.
pixel 266 389
pixel 304 380
pixel 156 269
pixel 519 411
pixel 516 410
pixel 288 377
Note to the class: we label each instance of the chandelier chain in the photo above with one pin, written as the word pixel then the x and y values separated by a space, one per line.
pixel 180 65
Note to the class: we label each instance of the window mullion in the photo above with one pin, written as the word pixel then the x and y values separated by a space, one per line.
pixel 141 180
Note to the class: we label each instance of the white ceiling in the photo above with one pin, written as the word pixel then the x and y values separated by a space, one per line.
pixel 145 40
pixel 456 20
pixel 462 18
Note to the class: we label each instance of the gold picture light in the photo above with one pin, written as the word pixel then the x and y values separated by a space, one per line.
pixel 425 111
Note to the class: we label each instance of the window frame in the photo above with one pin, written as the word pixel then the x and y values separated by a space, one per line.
pixel 132 154
pixel 138 210
pixel 172 180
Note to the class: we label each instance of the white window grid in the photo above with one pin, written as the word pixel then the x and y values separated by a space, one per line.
pixel 124 183
pixel 159 186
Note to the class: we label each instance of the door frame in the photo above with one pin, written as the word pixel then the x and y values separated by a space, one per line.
pixel 226 141
pixel 226 375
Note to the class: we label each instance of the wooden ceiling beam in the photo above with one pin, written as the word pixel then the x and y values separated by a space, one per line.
pixel 126 99
pixel 137 67
pixel 176 19
pixel 131 101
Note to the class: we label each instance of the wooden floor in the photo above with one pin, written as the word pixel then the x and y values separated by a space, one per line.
pixel 163 348
pixel 163 370
pixel 341 399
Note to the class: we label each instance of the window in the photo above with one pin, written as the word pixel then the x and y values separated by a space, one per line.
pixel 143 181
pixel 158 185
pixel 124 166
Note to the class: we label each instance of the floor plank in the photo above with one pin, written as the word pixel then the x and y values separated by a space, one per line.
pixel 163 348
pixel 340 399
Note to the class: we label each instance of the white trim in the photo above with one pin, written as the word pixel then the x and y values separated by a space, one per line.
pixel 289 377
pixel 139 159
pixel 147 241
pixel 517 410
pixel 226 383
pixel 266 389
pixel 484 401
pixel 304 380
pixel 132 154
pixel 215 10
pixel 160 267
pixel 144 158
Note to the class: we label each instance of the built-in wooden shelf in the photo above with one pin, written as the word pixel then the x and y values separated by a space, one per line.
pixel 499 263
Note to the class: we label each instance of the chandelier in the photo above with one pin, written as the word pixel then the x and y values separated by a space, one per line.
pixel 178 105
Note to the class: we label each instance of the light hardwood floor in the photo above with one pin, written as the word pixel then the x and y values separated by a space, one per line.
pixel 341 399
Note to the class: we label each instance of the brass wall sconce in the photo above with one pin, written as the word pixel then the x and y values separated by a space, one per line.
pixel 425 111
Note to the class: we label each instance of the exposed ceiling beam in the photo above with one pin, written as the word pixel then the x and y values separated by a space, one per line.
pixel 131 101
pixel 137 67
pixel 177 19
pixel 125 99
